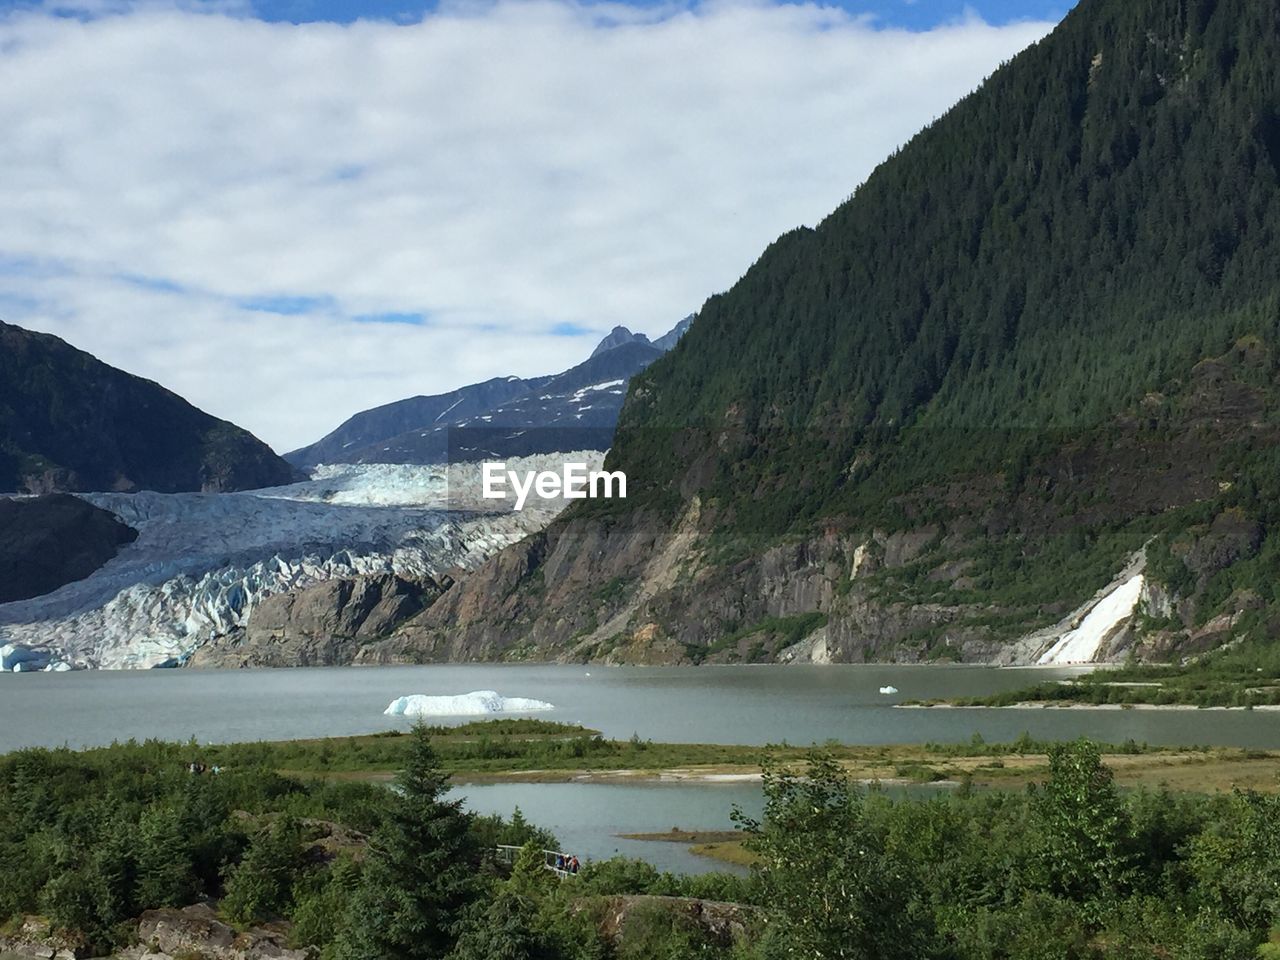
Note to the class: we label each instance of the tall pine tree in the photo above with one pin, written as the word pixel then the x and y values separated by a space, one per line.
pixel 420 875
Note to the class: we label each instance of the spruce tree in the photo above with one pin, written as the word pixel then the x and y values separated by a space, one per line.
pixel 421 871
pixel 261 887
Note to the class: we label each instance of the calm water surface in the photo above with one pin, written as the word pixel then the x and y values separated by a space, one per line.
pixel 747 705
pixel 587 818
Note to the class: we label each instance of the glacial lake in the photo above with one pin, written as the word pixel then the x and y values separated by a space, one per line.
pixel 731 704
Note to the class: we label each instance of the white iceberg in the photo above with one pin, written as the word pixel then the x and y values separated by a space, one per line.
pixel 478 703
pixel 888 690
pixel 21 659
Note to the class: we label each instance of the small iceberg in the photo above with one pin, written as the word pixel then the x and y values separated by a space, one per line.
pixel 888 690
pixel 478 703
pixel 19 658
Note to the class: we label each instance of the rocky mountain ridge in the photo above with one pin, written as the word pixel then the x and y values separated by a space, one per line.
pixel 69 422
pixel 49 541
pixel 504 417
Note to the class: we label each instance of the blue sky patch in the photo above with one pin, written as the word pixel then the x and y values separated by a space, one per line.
pixel 912 14
pixel 413 319
pixel 286 306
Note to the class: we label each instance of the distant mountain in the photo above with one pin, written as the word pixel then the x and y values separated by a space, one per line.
pixel 669 339
pixel 70 422
pixel 574 410
pixel 362 433
pixel 616 338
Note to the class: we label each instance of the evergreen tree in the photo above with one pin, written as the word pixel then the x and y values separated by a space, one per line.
pixel 166 876
pixel 421 872
pixel 261 886
pixel 507 929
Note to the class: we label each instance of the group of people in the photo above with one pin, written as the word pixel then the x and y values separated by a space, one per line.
pixel 566 864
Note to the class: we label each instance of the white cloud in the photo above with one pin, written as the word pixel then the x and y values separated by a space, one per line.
pixel 498 167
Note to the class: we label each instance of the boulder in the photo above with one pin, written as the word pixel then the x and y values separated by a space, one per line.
pixel 196 930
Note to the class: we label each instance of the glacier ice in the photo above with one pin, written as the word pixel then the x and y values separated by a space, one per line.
pixel 202 562
pixel 478 703
pixel 887 691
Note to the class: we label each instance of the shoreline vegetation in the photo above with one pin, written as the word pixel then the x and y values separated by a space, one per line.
pixel 1246 677
pixel 297 849
pixel 541 751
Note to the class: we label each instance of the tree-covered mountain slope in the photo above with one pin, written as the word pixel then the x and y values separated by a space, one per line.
pixel 1038 347
pixel 70 422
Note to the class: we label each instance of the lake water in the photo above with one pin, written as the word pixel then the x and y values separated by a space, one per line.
pixel 587 818
pixel 738 704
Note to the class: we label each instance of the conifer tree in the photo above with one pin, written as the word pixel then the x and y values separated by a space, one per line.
pixel 420 875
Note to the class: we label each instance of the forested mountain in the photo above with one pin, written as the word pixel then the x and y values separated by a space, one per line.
pixel 1041 337
pixel 70 422
pixel 504 417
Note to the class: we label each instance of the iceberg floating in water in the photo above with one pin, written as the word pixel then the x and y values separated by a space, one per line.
pixel 888 690
pixel 478 703
pixel 22 659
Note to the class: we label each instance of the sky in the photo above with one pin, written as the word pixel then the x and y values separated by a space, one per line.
pixel 288 211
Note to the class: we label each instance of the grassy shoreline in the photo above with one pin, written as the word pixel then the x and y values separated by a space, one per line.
pixel 1246 677
pixel 537 751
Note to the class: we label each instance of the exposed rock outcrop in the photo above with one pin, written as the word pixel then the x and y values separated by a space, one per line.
pixel 330 623
pixel 35 937
pixel 196 931
pixel 716 922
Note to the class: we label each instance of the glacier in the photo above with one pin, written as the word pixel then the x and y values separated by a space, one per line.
pixel 202 562
pixel 478 703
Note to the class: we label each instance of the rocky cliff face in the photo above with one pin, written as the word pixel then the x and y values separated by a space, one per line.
pixel 69 422
pixel 333 622
pixel 49 541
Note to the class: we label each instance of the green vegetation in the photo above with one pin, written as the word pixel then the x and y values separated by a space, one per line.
pixel 984 305
pixel 420 873
pixel 1245 676
pixel 482 751
pixel 1073 868
pixel 92 839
